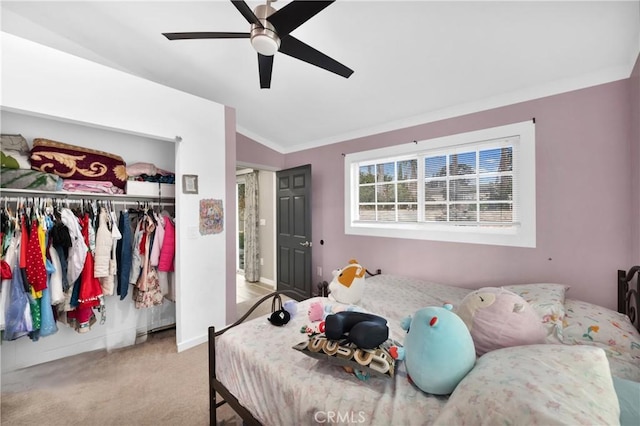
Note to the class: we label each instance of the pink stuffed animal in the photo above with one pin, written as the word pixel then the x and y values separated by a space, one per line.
pixel 498 318
pixel 316 311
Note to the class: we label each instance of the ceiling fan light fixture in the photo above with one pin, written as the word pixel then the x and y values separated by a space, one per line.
pixel 265 44
pixel 264 38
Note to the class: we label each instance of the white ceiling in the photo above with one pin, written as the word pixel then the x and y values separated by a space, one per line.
pixel 414 61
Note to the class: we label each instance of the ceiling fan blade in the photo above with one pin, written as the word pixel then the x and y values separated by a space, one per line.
pixel 199 35
pixel 295 48
pixel 295 14
pixel 247 12
pixel 265 66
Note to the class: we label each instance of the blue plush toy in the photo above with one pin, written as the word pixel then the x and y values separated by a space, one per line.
pixel 438 349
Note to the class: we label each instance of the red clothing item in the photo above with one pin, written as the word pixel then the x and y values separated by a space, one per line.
pixel 90 289
pixel 36 271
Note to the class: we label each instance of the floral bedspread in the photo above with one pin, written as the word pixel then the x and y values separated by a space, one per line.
pixel 280 385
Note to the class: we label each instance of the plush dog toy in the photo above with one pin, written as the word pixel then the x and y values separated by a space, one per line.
pixel 347 285
pixel 438 350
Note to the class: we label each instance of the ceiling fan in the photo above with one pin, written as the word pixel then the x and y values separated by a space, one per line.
pixel 270 33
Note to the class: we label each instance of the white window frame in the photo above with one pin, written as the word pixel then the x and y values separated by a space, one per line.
pixel 521 234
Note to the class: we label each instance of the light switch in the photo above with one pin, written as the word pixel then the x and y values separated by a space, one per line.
pixel 263 222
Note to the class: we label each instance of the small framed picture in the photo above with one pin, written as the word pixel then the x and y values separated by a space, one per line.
pixel 189 184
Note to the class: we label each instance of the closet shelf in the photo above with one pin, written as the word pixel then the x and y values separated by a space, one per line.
pixel 84 195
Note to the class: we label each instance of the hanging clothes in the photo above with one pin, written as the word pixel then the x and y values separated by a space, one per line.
pixel 78 249
pixel 10 257
pixel 86 292
pixel 168 249
pixel 18 313
pixel 103 251
pixel 166 258
pixel 146 292
pixel 36 273
pixel 124 254
pixel 108 283
pixel 61 243
pixel 90 294
pixel 56 278
pixel 158 239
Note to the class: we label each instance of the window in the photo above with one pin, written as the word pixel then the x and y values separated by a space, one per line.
pixel 476 187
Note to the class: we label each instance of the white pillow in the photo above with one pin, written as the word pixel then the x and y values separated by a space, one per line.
pixel 536 384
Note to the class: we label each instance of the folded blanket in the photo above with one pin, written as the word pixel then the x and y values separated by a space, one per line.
pixel 75 162
pixel 29 179
pixel 101 187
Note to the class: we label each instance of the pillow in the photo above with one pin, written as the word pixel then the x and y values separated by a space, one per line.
pixel 376 362
pixel 12 159
pixel 589 324
pixel 498 318
pixel 536 384
pixel 547 300
pixel 74 162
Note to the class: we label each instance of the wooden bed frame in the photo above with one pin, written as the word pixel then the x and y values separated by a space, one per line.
pixel 628 303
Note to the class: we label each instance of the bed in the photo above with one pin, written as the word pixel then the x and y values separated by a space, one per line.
pixel 588 371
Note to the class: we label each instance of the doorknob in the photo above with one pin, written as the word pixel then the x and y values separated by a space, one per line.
pixel 306 244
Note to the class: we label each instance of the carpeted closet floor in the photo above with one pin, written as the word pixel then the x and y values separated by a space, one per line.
pixel 146 384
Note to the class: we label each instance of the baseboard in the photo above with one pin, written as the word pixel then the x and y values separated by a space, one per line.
pixel 270 283
pixel 191 343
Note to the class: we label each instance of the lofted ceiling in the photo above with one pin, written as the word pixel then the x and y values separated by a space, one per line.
pixel 414 61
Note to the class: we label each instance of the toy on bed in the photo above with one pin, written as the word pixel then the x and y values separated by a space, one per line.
pixel 498 318
pixel 357 341
pixel 319 311
pixel 291 306
pixel 365 330
pixel 438 349
pixel 347 285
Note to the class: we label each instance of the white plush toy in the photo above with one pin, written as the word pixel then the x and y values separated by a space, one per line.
pixel 347 285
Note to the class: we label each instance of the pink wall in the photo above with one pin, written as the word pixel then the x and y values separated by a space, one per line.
pixel 230 213
pixel 253 153
pixel 634 82
pixel 584 208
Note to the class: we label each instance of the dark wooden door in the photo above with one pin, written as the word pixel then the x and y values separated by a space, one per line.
pixel 293 192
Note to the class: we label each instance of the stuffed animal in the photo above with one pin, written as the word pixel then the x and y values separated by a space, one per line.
pixel 498 318
pixel 334 308
pixel 316 311
pixel 347 285
pixel 313 329
pixel 438 349
pixel 291 306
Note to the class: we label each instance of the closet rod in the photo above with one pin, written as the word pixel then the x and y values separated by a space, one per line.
pixel 72 200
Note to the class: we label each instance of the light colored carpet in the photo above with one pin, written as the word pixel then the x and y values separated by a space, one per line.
pixel 146 384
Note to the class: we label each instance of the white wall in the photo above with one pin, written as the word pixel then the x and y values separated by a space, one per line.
pixel 268 230
pixel 40 81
